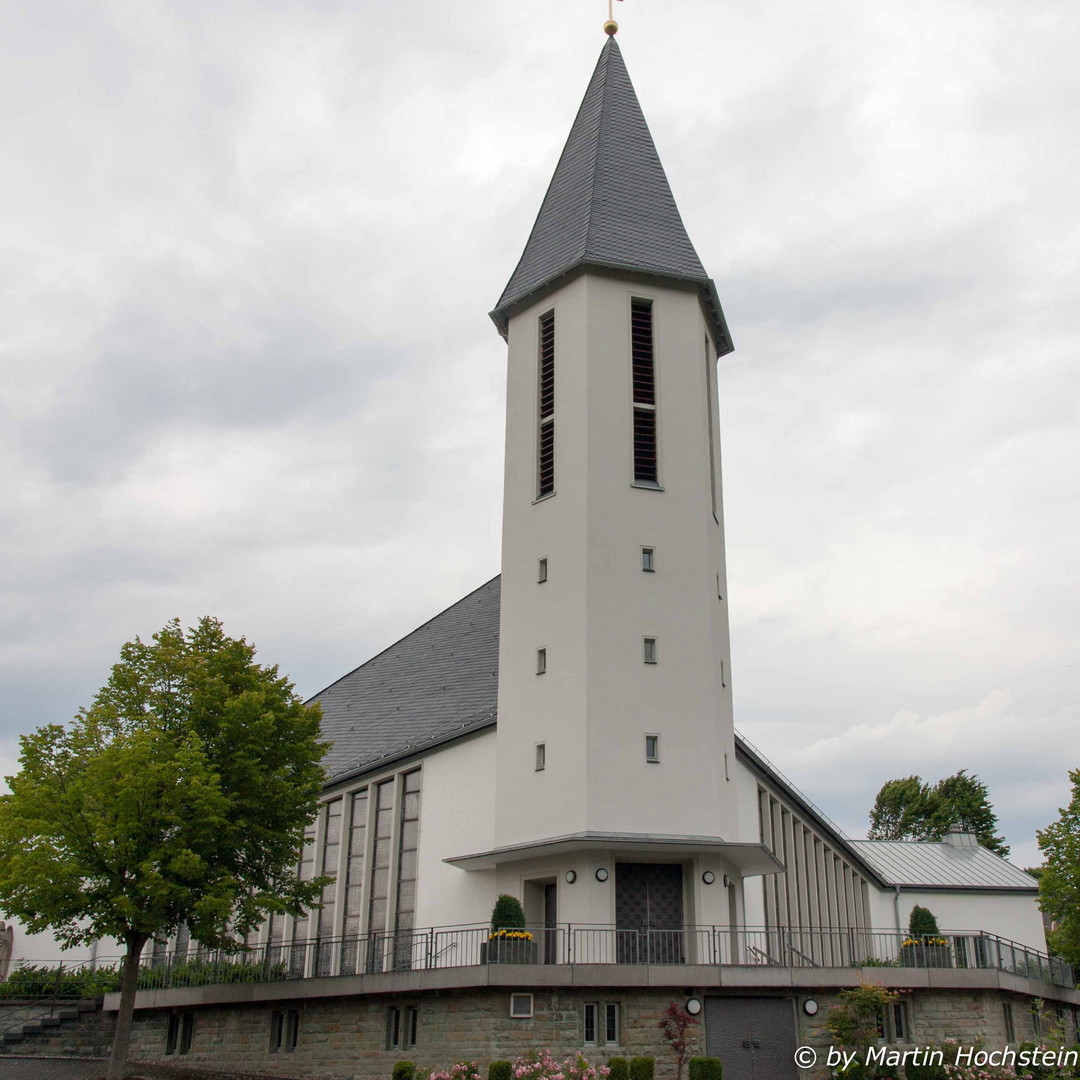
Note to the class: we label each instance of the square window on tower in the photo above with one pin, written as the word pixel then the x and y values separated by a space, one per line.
pixel 652 749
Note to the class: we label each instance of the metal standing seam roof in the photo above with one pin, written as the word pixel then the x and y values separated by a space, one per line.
pixel 938 865
pixel 609 205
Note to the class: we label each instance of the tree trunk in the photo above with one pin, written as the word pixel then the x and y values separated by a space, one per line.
pixel 129 982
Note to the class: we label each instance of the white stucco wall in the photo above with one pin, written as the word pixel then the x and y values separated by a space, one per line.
pixel 457 817
pixel 43 950
pixel 598 699
pixel 1014 916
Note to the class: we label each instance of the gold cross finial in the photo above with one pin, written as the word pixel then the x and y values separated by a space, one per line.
pixel 611 27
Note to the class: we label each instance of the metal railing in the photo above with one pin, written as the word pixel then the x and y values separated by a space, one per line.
pixel 465 946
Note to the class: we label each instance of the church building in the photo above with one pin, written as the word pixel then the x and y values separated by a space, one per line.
pixel 565 734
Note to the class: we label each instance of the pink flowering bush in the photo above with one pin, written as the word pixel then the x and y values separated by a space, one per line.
pixel 463 1070
pixel 542 1066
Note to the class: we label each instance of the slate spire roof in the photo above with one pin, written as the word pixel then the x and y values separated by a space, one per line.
pixel 609 205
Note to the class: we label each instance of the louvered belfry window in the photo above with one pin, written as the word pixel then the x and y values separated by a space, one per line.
pixel 644 375
pixel 546 441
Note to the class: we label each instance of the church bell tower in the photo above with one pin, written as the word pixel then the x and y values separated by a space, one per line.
pixel 614 712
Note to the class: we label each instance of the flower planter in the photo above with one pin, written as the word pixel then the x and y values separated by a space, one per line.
pixel 926 956
pixel 509 951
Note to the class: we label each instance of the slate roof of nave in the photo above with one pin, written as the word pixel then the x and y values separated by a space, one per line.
pixel 433 685
pixel 609 205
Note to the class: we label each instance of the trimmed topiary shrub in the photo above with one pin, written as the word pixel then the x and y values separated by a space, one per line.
pixel 500 1070
pixel 404 1070
pixel 620 1069
pixel 507 914
pixel 922 923
pixel 706 1068
pixel 642 1068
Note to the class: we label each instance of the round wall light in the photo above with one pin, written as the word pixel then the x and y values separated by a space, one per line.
pixel 693 1006
pixel 708 877
pixel 601 873
pixel 810 1007
pixel 571 877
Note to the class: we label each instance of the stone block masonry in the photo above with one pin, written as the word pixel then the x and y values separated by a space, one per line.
pixel 347 1038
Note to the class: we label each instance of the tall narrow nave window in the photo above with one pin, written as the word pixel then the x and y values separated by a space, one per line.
pixel 545 463
pixel 710 378
pixel 644 379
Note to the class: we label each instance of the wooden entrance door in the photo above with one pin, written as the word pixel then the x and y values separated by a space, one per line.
pixel 648 913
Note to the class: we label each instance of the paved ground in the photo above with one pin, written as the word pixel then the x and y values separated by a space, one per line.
pixel 39 1068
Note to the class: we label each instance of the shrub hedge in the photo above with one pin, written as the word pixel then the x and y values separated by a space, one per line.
pixel 642 1068
pixel 500 1070
pixel 404 1070
pixel 620 1068
pixel 706 1068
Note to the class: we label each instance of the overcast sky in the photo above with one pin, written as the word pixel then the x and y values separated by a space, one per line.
pixel 248 254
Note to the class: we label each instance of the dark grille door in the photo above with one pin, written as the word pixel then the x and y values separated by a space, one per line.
pixel 753 1037
pixel 648 913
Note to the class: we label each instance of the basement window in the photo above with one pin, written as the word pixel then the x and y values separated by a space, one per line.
pixel 402 1024
pixel 521 1006
pixel 284 1031
pixel 600 1023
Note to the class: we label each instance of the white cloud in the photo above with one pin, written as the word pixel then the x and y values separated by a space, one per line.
pixel 248 367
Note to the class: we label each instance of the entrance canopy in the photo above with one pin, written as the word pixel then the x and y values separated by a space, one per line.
pixel 751 860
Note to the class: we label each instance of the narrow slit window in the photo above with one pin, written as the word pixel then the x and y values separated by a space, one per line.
pixel 591 1010
pixel 545 466
pixel 393 1028
pixel 900 1027
pixel 710 379
pixel 187 1031
pixel 541 661
pixel 292 1031
pixel 646 467
pixel 648 560
pixel 652 749
pixel 648 650
pixel 541 756
pixel 541 571
pixel 611 1023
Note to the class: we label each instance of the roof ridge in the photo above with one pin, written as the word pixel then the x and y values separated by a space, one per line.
pixel 594 180
pixel 404 637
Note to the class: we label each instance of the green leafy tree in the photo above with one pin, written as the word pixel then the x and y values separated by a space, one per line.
pixel 902 810
pixel 858 1022
pixel 964 800
pixel 1059 881
pixel 910 809
pixel 179 795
